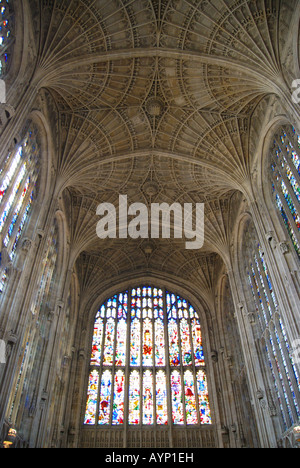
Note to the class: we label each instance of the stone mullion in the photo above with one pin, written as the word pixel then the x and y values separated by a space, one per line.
pixel 127 370
pixel 287 211
pixel 11 186
pixel 10 214
pixel 295 380
pixel 21 302
pixel 278 265
pixel 283 380
pixel 267 359
pixel 194 369
pixel 168 372
pixel 19 220
pixel 282 174
pixel 277 377
pixel 265 283
pixel 20 323
pixel 287 160
pixel 289 188
pixel 100 369
pixel 114 368
pixel 181 369
pixel 140 367
pixel 264 289
pixel 292 195
pixel 264 306
pixel 279 356
pixel 21 214
pixel 16 123
pixel 256 302
pixel 286 370
pixel 254 366
pixel 153 321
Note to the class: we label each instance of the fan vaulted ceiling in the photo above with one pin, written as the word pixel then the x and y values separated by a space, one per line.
pixel 155 99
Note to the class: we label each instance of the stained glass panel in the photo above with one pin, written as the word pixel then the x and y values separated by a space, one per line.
pixel 134 398
pixel 10 172
pixel 177 402
pixel 148 398
pixel 97 342
pixel 285 169
pixel 120 359
pixel 160 357
pixel 147 343
pixel 186 348
pixel 5 34
pixel 109 341
pixel 12 196
pixel 197 343
pixel 173 343
pixel 202 392
pixel 161 399
pixel 105 396
pixel 190 398
pixel 274 339
pixel 135 343
pixel 119 397
pixel 91 406
pixel 18 177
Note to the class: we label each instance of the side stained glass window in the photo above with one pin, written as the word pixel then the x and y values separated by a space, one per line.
pixel 35 336
pixel 278 352
pixel 5 34
pixel 18 178
pixel 147 364
pixel 285 172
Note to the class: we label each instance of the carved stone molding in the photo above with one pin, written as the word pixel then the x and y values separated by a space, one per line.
pixel 26 245
pixel 284 248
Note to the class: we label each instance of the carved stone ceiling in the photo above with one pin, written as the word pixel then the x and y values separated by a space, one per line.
pixel 156 91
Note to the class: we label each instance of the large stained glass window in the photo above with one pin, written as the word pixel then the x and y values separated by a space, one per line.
pixel 147 364
pixel 18 178
pixel 5 34
pixel 271 330
pixel 285 167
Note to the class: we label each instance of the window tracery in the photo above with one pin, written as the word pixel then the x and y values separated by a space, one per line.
pixel 34 339
pixel 18 179
pixel 285 173
pixel 271 332
pixel 5 34
pixel 147 344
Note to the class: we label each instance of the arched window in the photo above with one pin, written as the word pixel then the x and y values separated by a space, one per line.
pixel 271 333
pixel 34 340
pixel 5 34
pixel 18 178
pixel 147 365
pixel 285 164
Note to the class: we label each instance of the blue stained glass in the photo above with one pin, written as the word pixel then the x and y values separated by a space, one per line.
pixel 289 189
pixel 5 33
